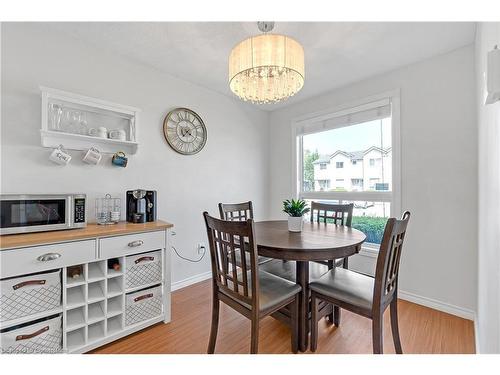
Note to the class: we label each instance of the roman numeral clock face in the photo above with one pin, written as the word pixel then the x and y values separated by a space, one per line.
pixel 184 131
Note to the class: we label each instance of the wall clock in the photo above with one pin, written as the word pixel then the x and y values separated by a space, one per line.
pixel 185 131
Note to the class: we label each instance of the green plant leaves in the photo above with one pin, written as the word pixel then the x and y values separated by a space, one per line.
pixel 295 208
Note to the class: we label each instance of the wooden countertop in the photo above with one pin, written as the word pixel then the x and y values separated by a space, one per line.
pixel 91 231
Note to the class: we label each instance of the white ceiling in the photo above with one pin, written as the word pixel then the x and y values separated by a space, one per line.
pixel 336 53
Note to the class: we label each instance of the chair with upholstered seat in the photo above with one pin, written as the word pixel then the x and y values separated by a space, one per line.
pixel 239 212
pixel 365 295
pixel 246 289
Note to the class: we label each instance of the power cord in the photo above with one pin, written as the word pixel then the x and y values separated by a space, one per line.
pixel 189 260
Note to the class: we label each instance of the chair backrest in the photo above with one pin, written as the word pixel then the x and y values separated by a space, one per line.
pixel 236 211
pixel 341 214
pixel 225 239
pixel 387 270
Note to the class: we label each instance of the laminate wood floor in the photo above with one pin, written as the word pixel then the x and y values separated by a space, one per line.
pixel 423 330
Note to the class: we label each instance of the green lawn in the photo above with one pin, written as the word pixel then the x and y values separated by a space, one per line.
pixel 373 227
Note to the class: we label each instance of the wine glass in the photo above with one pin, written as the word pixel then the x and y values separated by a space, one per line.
pixel 55 111
pixel 73 121
pixel 82 121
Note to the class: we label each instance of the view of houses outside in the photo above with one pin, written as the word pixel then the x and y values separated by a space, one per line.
pixel 355 158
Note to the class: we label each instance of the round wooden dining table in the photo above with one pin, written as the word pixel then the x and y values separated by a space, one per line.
pixel 317 241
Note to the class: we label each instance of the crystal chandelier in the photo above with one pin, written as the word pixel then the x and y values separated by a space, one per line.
pixel 266 68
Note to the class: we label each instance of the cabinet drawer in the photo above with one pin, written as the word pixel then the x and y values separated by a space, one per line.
pixel 131 244
pixel 27 260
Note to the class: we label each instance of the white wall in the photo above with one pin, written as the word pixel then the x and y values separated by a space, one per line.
pixel 439 170
pixel 488 305
pixel 237 143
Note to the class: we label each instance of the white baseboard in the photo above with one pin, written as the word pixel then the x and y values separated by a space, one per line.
pixel 191 280
pixel 437 305
pixel 476 334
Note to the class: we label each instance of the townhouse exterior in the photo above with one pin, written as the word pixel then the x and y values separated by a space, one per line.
pixel 365 170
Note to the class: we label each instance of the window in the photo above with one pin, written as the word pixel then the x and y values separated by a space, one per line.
pixel 364 135
pixel 381 186
pixel 323 185
pixel 322 166
pixel 357 182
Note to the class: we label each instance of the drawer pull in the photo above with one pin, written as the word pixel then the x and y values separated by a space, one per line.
pixel 136 243
pixel 30 282
pixel 31 335
pixel 48 257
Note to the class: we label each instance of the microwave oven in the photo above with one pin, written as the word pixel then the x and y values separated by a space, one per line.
pixel 41 212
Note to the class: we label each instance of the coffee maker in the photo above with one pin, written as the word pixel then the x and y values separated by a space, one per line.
pixel 141 205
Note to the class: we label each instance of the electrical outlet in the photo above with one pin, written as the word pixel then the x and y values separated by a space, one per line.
pixel 201 248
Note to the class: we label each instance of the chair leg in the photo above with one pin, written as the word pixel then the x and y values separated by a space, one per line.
pixel 215 325
pixel 336 316
pixel 294 307
pixel 345 264
pixel 395 327
pixel 377 334
pixel 336 310
pixel 314 322
pixel 331 316
pixel 254 346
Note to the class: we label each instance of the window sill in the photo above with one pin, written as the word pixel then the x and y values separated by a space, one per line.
pixel 369 251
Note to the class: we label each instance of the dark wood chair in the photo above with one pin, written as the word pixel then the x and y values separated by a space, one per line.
pixel 340 214
pixel 365 295
pixel 239 212
pixel 251 292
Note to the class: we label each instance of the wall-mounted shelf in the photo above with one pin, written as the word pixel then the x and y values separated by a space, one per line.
pixel 71 141
pixel 67 119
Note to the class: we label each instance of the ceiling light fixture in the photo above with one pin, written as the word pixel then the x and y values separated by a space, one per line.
pixel 266 68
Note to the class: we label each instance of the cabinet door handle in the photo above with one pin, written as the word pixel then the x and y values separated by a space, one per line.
pixel 136 243
pixel 48 257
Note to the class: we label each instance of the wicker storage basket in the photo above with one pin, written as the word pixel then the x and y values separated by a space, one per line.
pixel 42 337
pixel 28 295
pixel 143 305
pixel 143 269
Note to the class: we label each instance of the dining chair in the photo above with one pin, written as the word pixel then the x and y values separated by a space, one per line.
pixel 251 292
pixel 239 212
pixel 365 295
pixel 339 214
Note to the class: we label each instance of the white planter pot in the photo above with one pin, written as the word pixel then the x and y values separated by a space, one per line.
pixel 295 224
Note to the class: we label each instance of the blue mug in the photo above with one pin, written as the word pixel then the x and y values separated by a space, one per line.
pixel 119 159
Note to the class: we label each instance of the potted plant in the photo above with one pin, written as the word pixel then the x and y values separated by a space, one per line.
pixel 295 210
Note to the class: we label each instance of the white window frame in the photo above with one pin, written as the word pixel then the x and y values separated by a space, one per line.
pixel 393 197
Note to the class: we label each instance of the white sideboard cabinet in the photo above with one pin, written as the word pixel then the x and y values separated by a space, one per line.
pixel 73 291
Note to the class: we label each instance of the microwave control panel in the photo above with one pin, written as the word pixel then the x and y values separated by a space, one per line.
pixel 80 210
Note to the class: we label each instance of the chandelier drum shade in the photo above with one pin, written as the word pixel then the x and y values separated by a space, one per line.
pixel 266 68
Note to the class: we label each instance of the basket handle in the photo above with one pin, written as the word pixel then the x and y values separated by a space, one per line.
pixel 137 299
pixel 29 282
pixel 143 259
pixel 31 335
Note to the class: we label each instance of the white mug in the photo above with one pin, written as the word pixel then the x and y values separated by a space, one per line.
pixel 100 132
pixel 92 156
pixel 60 156
pixel 117 134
